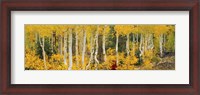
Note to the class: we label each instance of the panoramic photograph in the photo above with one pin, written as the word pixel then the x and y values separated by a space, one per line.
pixel 99 47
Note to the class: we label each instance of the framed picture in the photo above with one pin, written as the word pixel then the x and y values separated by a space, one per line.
pixel 100 47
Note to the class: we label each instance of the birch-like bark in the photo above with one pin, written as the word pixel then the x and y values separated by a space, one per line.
pixel 117 57
pixel 61 45
pixel 164 39
pixel 36 38
pixel 91 53
pixel 104 46
pixel 52 42
pixel 133 42
pixel 141 48
pixel 161 45
pixel 145 43
pixel 137 39
pixel 70 50
pixel 43 52
pixel 127 45
pixel 77 61
pixel 58 44
pixel 150 42
pixel 96 50
pixel 84 45
pixel 65 48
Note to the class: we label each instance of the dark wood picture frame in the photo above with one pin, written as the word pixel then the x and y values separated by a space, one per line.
pixel 98 5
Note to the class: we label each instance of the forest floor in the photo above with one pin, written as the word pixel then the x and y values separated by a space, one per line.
pixel 166 63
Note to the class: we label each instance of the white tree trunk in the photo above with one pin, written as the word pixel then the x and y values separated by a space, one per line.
pixel 84 45
pixel 145 42
pixel 141 48
pixel 117 41
pixel 96 50
pixel 70 50
pixel 36 38
pixel 91 53
pixel 58 45
pixel 61 41
pixel 150 42
pixel 65 48
pixel 52 42
pixel 161 45
pixel 127 45
pixel 137 39
pixel 164 39
pixel 77 62
pixel 43 52
pixel 104 46
pixel 133 42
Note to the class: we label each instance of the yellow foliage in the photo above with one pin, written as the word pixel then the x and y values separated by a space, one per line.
pixel 56 58
pixel 147 65
pixel 128 62
pixel 110 51
pixel 111 60
pixel 123 29
pixel 33 62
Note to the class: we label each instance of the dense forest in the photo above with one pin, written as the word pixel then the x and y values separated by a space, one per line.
pixel 99 47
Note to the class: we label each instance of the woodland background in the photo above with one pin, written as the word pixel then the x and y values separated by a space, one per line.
pixel 99 47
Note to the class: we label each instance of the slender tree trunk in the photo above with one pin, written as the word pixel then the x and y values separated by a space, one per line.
pixel 145 42
pixel 104 46
pixel 141 48
pixel 65 48
pixel 117 41
pixel 55 47
pixel 61 41
pixel 164 39
pixel 133 41
pixel 58 44
pixel 52 43
pixel 137 39
pixel 150 42
pixel 161 45
pixel 84 45
pixel 77 62
pixel 70 50
pixel 91 53
pixel 96 50
pixel 127 45
pixel 43 51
